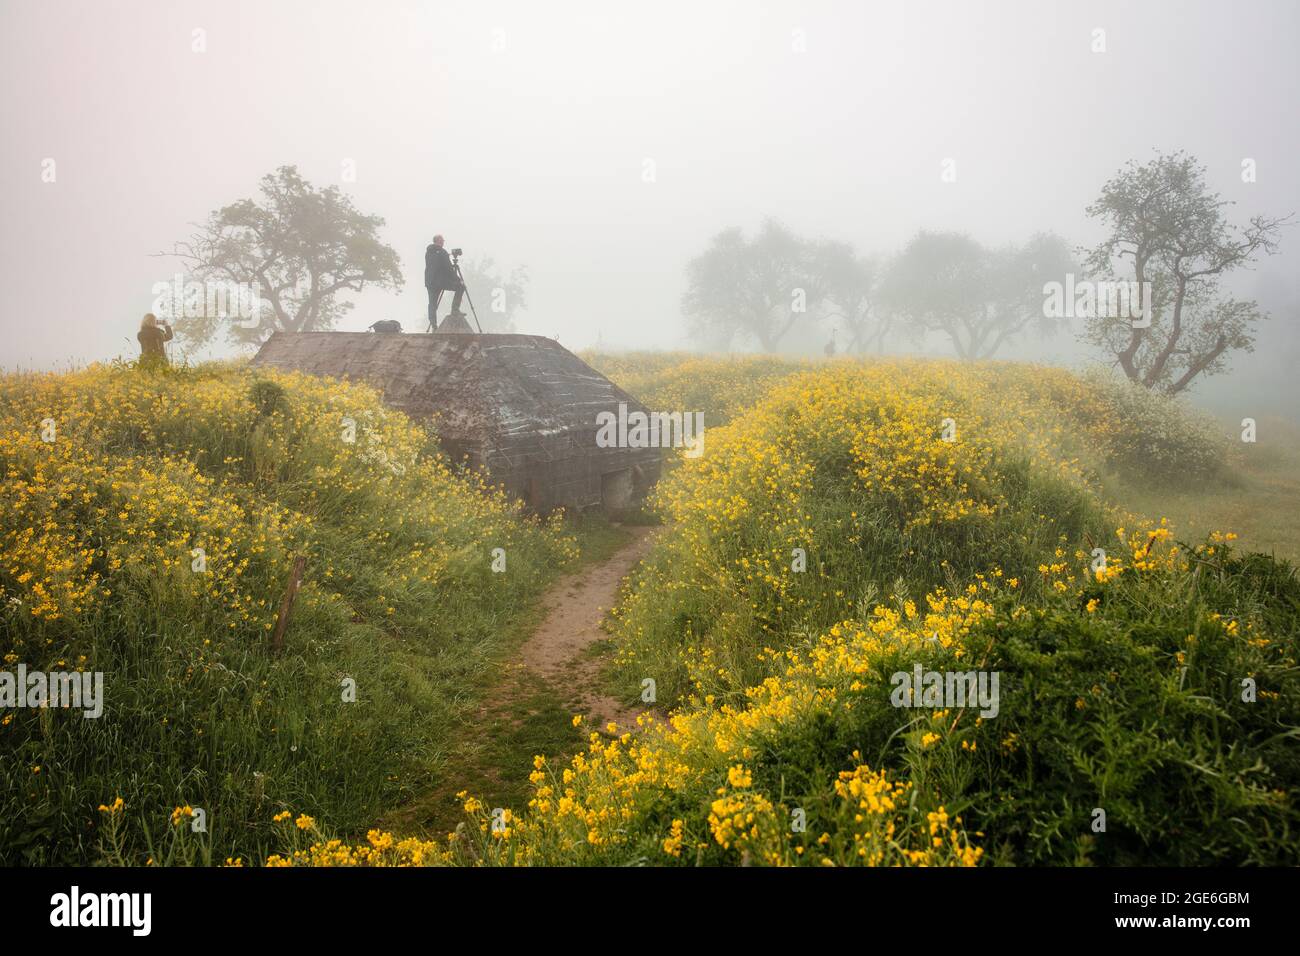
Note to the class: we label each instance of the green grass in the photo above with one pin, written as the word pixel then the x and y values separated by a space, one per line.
pixel 1259 497
pixel 518 716
pixel 598 537
pixel 1137 707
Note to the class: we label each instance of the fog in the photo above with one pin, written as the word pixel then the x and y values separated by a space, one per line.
pixel 603 145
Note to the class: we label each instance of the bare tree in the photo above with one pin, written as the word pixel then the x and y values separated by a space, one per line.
pixel 1171 233
pixel 299 247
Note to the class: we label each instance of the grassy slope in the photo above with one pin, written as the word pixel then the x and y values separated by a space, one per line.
pixel 98 528
pixel 1123 687
pixel 446 709
pixel 1094 717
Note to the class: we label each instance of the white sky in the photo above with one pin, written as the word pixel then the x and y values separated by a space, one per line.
pixel 534 153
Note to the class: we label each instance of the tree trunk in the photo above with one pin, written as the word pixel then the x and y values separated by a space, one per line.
pixel 1127 358
pixel 1197 367
pixel 1175 333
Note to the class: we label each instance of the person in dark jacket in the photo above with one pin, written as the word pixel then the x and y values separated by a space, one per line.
pixel 440 276
pixel 152 339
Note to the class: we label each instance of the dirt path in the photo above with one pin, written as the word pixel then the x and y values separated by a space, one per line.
pixel 575 608
pixel 552 676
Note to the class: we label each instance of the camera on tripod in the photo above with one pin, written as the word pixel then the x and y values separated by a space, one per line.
pixel 457 253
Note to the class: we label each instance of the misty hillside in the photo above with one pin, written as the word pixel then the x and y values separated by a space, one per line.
pixel 633 440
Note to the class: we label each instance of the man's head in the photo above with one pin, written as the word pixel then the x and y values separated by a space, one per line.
pixel 437 241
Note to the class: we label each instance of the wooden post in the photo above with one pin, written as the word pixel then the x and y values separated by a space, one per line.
pixel 286 604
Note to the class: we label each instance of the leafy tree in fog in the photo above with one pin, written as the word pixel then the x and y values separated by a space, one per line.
pixel 980 298
pixel 849 284
pixel 750 288
pixel 1165 228
pixel 302 247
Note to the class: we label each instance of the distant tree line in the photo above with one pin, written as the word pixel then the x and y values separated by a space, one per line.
pixel 759 289
pixel 1168 245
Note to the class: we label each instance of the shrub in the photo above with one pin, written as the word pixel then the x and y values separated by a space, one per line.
pixel 1152 437
pixel 849 465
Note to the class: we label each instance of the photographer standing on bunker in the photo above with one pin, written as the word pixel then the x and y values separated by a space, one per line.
pixel 439 277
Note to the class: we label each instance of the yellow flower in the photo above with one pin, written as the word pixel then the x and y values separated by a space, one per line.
pixel 738 776
pixel 673 842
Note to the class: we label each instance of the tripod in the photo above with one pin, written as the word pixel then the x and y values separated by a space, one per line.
pixel 455 264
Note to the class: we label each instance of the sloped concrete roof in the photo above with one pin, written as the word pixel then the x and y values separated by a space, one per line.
pixel 477 387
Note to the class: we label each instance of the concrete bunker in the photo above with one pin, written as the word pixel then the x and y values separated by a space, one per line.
pixel 521 407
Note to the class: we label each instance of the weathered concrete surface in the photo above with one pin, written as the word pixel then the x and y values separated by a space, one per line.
pixel 521 406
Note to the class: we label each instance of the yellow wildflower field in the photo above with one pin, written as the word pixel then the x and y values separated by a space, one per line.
pixel 865 520
pixel 148 524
